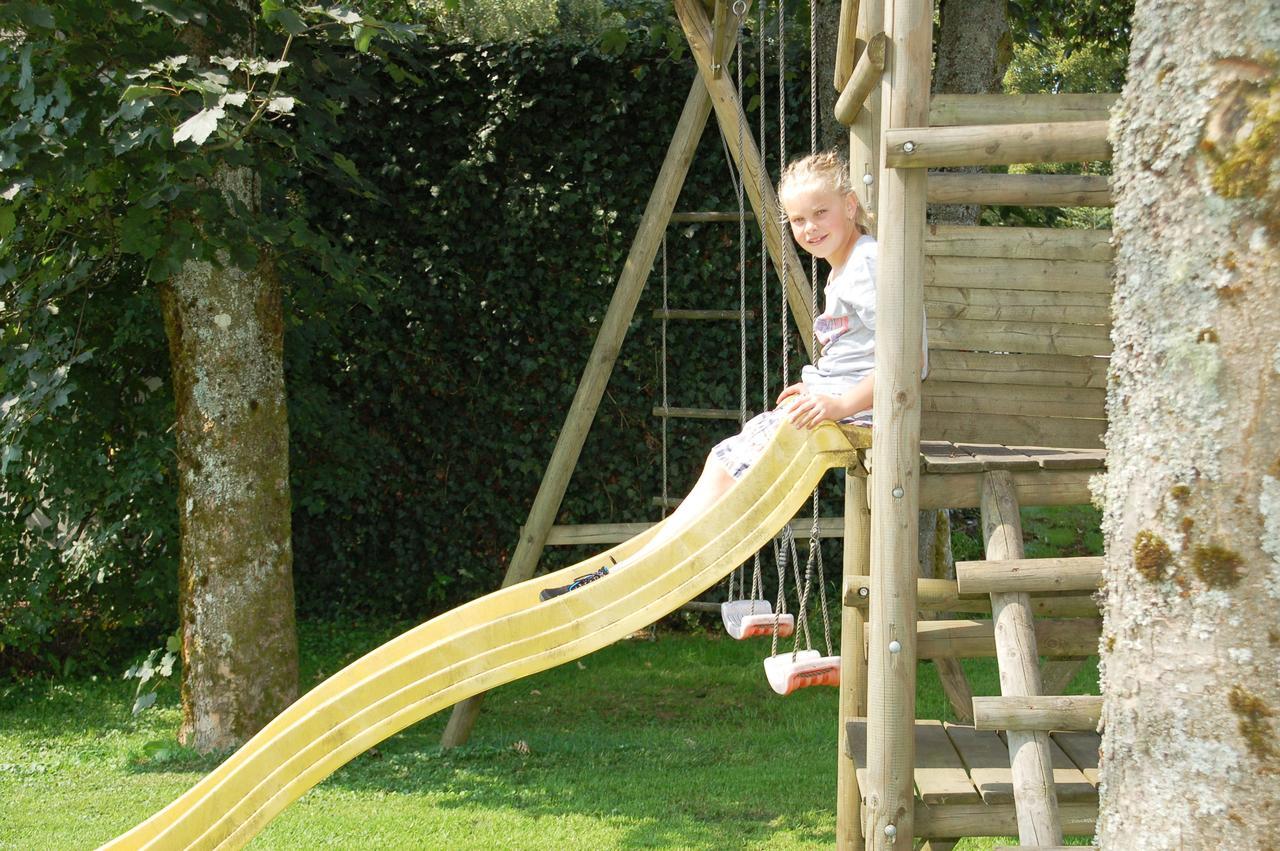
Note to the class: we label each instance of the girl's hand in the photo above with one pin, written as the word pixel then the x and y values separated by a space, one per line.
pixel 809 410
pixel 796 389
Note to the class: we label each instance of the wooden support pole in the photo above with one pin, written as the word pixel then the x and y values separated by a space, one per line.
pixel 853 660
pixel 865 77
pixel 722 38
pixel 949 109
pixel 1021 190
pixel 846 42
pixel 764 200
pixel 895 451
pixel 996 144
pixel 864 134
pixel 1078 712
pixel 943 595
pixel 1030 759
pixel 635 271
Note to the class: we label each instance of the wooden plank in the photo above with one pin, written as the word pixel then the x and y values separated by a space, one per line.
pixel 1067 459
pixel 1078 712
pixel 1017 655
pixel 943 456
pixel 999 457
pixel 699 413
pixel 964 639
pixel 1069 782
pixel 758 185
pixel 865 77
pixel 595 376
pixel 1034 338
pixel 1014 430
pixel 1018 305
pixel 1006 369
pixel 940 774
pixel 987 759
pixel 1021 190
pixel 949 109
pixel 997 144
pixel 1018 243
pixel 1040 487
pixel 961 820
pixel 1018 400
pixel 1031 274
pixel 1083 749
pixel 1082 573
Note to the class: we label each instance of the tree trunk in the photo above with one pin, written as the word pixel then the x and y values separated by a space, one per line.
pixel 239 646
pixel 974 50
pixel 1192 498
pixel 831 134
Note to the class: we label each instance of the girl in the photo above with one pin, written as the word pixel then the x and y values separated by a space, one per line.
pixel 829 223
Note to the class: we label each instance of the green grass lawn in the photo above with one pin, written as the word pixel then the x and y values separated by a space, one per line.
pixel 673 743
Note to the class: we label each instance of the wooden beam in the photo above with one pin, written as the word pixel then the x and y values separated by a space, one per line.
pixel 1029 575
pixel 895 451
pixel 996 144
pixel 1019 243
pixel 864 134
pixel 846 42
pixel 1022 190
pixel 1030 758
pixel 700 315
pixel 865 77
pixel 758 186
pixel 1018 109
pixel 708 218
pixel 974 639
pixel 698 413
pixel 595 376
pixel 957 820
pixel 1076 712
pixel 941 595
pixel 853 664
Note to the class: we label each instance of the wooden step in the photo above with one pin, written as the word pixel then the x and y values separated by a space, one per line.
pixel 1029 575
pixel 1077 713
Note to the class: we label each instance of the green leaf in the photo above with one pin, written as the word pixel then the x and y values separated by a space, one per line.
pixel 346 165
pixel 35 15
pixel 144 701
pixel 139 92
pixel 8 221
pixel 198 127
pixel 140 233
pixel 287 18
pixel 363 37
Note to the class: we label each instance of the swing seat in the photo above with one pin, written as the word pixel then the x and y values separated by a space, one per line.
pixel 807 668
pixel 753 619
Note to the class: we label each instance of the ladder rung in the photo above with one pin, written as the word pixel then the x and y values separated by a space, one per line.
pixel 1029 575
pixel 685 218
pixel 996 144
pixel 698 413
pixel 1076 712
pixel 700 314
pixel 1021 190
pixel 960 639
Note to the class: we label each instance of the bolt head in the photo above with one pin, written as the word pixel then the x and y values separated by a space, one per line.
pixel 908 147
pixel 864 592
pixel 895 646
pixel 898 493
pixel 890 830
pixel 867 179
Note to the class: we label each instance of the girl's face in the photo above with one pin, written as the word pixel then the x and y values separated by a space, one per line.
pixel 822 221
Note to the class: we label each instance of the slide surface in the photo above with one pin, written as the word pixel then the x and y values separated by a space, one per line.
pixel 488 642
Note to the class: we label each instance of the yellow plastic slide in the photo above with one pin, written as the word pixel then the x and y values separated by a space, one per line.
pixel 491 641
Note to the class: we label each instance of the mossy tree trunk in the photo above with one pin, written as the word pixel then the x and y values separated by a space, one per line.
pixel 1191 642
pixel 225 329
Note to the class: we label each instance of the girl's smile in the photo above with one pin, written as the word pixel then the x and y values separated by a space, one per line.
pixel 822 221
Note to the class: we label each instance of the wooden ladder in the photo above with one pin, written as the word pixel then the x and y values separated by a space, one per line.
pixel 1022 711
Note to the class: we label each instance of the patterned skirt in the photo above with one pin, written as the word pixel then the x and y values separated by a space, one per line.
pixel 737 453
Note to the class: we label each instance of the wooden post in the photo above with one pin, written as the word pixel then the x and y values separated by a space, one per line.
pixel 864 134
pixel 853 662
pixel 1029 756
pixel 729 114
pixel 865 77
pixel 635 271
pixel 846 42
pixel 895 452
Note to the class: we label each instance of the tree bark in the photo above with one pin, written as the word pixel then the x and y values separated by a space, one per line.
pixel 974 50
pixel 239 647
pixel 1192 497
pixel 831 134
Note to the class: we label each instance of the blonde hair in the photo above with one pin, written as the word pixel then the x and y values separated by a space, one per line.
pixel 827 170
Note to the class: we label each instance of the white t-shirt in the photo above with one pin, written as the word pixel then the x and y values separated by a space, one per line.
pixel 846 329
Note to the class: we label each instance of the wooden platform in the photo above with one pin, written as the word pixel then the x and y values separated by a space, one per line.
pixel 960 771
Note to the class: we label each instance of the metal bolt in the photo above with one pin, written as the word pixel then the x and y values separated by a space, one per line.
pixel 867 179
pixel 864 592
pixel 898 492
pixel 890 830
pixel 894 646
pixel 908 147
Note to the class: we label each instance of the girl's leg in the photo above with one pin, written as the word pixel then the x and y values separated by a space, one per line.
pixel 714 483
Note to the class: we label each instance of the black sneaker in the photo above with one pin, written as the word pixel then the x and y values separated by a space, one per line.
pixel 550 593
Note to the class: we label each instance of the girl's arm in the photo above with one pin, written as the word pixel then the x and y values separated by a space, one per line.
pixel 810 409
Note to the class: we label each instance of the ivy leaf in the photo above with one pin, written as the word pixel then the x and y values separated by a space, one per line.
pixel 198 127
pixel 363 37
pixel 8 221
pixel 35 15
pixel 285 17
pixel 343 15
pixel 139 233
pixel 613 41
pixel 346 165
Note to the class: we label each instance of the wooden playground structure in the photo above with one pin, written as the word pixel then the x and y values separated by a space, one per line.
pixel 1012 415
